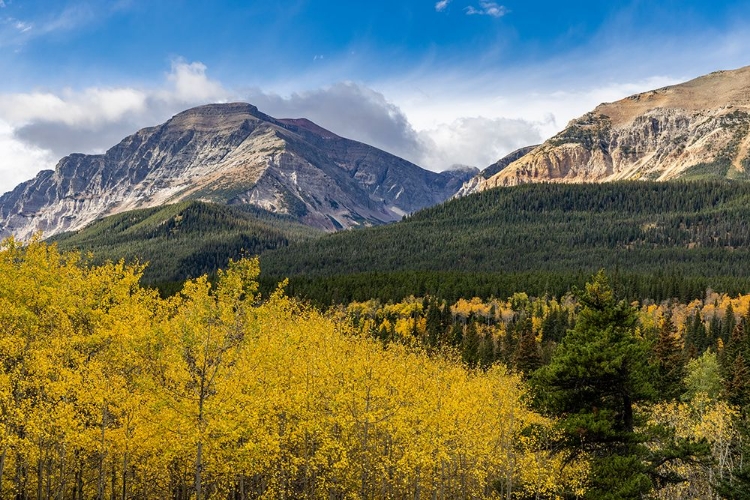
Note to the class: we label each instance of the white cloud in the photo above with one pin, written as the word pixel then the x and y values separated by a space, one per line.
pixel 89 108
pixel 442 5
pixel 534 95
pixel 190 84
pixel 20 161
pixel 476 141
pixel 39 127
pixel 486 8
pixel 361 113
pixel 73 16
pixel 186 84
pixel 350 110
pixel 22 26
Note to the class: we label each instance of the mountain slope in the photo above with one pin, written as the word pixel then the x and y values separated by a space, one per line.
pixel 548 234
pixel 698 129
pixel 185 239
pixel 471 186
pixel 231 154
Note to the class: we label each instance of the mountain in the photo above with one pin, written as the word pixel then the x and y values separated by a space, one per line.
pixel 471 185
pixel 671 239
pixel 235 155
pixel 184 239
pixel 698 129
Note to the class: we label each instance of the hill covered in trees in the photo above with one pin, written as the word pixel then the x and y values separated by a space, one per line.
pixel 658 240
pixel 219 392
pixel 184 240
pixel 109 391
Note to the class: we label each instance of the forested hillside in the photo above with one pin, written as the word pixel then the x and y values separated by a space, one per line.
pixel 658 240
pixel 656 395
pixel 184 240
pixel 109 390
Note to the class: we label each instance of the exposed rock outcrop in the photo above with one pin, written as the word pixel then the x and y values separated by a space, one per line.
pixel 693 130
pixel 232 154
pixel 473 184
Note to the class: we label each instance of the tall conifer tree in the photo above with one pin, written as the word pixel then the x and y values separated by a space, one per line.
pixel 669 361
pixel 594 384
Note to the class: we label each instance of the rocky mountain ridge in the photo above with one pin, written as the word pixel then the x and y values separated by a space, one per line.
pixel 231 154
pixel 697 129
pixel 472 184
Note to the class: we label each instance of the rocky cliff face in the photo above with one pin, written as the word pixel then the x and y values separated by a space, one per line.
pixel 697 129
pixel 474 184
pixel 231 154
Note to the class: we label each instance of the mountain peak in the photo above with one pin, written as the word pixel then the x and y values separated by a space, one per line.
pixel 716 90
pixel 697 129
pixel 229 153
pixel 218 116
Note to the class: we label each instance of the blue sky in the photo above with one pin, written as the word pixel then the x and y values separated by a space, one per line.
pixel 436 81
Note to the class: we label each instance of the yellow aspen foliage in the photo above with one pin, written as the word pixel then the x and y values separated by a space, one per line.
pixel 742 306
pixel 58 317
pixel 409 307
pixel 363 310
pixel 536 326
pixel 464 308
pixel 650 317
pixel 109 391
pixel 701 418
pixel 694 306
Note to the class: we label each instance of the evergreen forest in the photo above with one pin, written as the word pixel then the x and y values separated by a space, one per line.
pixel 657 240
pixel 184 240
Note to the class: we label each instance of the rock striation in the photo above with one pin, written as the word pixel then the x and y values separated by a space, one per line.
pixel 698 129
pixel 472 184
pixel 231 154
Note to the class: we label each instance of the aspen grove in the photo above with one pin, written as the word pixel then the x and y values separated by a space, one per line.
pixel 109 391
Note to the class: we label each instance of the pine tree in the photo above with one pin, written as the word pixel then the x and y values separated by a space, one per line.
pixel 486 351
pixel 593 384
pixel 714 331
pixel 736 345
pixel 470 351
pixel 528 356
pixel 434 323
pixel 737 382
pixel 696 338
pixel 491 315
pixel 456 336
pixel 744 323
pixel 509 342
pixel 555 325
pixel 729 324
pixel 669 361
pixel 447 317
